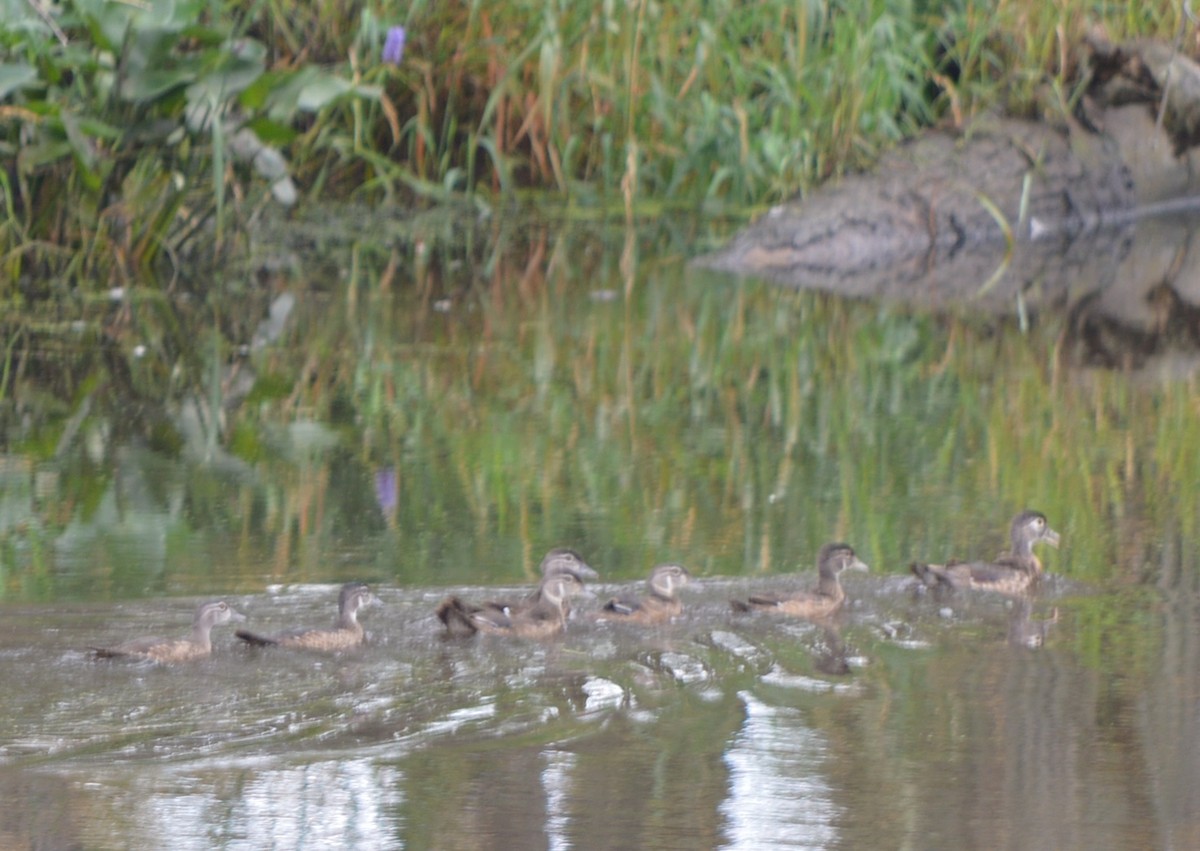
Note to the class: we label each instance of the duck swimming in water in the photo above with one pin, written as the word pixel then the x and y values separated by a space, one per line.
pixel 556 561
pixel 1013 572
pixel 821 603
pixel 661 603
pixel 198 645
pixel 346 633
pixel 542 619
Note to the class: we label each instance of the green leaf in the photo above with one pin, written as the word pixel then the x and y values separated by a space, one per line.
pixel 280 92
pixel 224 72
pixel 18 16
pixel 99 129
pixel 108 22
pixel 34 156
pixel 322 90
pixel 85 157
pixel 14 76
pixel 152 85
pixel 272 132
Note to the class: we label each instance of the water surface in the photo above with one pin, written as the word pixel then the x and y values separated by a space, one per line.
pixel 431 413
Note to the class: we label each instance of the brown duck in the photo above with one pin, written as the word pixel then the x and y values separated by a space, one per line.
pixel 346 633
pixel 169 650
pixel 827 599
pixel 661 603
pixel 558 560
pixel 1012 573
pixel 542 619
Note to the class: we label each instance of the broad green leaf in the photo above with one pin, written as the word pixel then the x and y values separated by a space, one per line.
pixel 151 85
pixel 322 90
pixel 280 92
pixel 99 129
pixel 227 71
pixel 32 157
pixel 272 132
pixel 14 76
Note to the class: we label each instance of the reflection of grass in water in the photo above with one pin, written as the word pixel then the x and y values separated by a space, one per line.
pixel 740 426
pixel 735 427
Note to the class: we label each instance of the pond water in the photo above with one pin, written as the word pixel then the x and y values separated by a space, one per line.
pixel 431 409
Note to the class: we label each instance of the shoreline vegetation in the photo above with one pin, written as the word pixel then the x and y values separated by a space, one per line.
pixel 134 135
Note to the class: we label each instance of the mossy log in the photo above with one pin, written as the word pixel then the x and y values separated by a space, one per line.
pixel 1009 209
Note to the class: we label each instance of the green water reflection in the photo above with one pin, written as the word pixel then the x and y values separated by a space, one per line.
pixel 438 410
pixel 445 419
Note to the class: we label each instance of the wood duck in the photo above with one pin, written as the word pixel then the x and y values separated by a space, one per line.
pixel 827 599
pixel 169 650
pixel 546 617
pixel 661 604
pixel 1013 572
pixel 559 560
pixel 346 633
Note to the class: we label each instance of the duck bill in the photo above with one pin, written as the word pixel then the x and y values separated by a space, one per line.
pixel 587 572
pixel 1051 537
pixel 236 616
pixel 858 564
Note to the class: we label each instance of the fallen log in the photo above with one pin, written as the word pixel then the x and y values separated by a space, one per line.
pixel 1008 210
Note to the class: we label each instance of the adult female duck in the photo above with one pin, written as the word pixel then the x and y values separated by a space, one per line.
pixel 1011 573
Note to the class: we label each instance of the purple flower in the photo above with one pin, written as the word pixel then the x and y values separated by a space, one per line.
pixel 393 48
pixel 386 492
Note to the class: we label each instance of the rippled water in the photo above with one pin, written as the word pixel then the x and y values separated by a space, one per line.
pixel 717 730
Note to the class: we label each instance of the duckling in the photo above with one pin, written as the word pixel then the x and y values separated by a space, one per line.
pixel 1012 573
pixel 557 560
pixel 661 604
pixel 827 599
pixel 346 633
pixel 543 619
pixel 169 650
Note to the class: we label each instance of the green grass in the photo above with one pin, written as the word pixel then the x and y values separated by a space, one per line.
pixel 619 107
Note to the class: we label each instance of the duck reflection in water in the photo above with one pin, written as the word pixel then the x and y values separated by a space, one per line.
pixel 832 658
pixel 813 605
pixel 660 604
pixel 1014 572
pixel 1026 631
pixel 346 633
pixel 542 619
pixel 198 645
